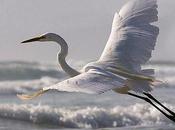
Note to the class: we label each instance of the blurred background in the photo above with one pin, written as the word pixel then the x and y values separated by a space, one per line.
pixel 85 25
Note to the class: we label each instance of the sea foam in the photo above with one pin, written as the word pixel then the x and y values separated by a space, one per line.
pixel 86 117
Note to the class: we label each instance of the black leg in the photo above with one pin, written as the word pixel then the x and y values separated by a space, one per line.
pixel 150 102
pixel 154 99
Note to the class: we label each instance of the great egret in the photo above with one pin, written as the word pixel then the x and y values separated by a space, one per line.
pixel 130 45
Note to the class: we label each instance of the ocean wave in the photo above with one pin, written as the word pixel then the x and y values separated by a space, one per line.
pixel 88 117
pixel 19 77
pixel 26 86
pixel 165 73
pixel 27 70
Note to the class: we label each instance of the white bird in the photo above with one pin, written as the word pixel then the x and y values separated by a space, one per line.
pixel 129 46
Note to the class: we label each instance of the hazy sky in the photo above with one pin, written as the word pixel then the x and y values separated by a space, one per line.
pixel 84 24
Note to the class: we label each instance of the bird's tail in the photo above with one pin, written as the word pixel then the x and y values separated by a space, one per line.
pixel 159 83
pixel 31 96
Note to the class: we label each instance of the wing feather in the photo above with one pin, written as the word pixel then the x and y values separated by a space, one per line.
pixel 132 37
pixel 90 82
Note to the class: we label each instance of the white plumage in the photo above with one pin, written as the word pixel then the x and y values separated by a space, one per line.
pixel 92 82
pixel 132 36
pixel 130 45
pixel 119 69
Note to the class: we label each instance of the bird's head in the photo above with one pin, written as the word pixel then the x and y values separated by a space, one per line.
pixel 42 38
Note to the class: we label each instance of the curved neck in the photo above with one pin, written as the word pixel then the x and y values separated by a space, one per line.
pixel 62 55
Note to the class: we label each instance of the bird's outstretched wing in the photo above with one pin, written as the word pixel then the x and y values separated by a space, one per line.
pixel 132 37
pixel 91 82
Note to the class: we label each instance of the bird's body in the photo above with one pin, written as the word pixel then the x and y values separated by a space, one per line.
pixel 129 46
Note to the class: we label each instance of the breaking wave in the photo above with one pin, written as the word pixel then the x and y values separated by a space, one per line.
pixel 26 86
pixel 20 76
pixel 88 117
pixel 164 72
pixel 24 77
pixel 27 70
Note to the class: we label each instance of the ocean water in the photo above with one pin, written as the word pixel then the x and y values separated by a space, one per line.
pixel 56 110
